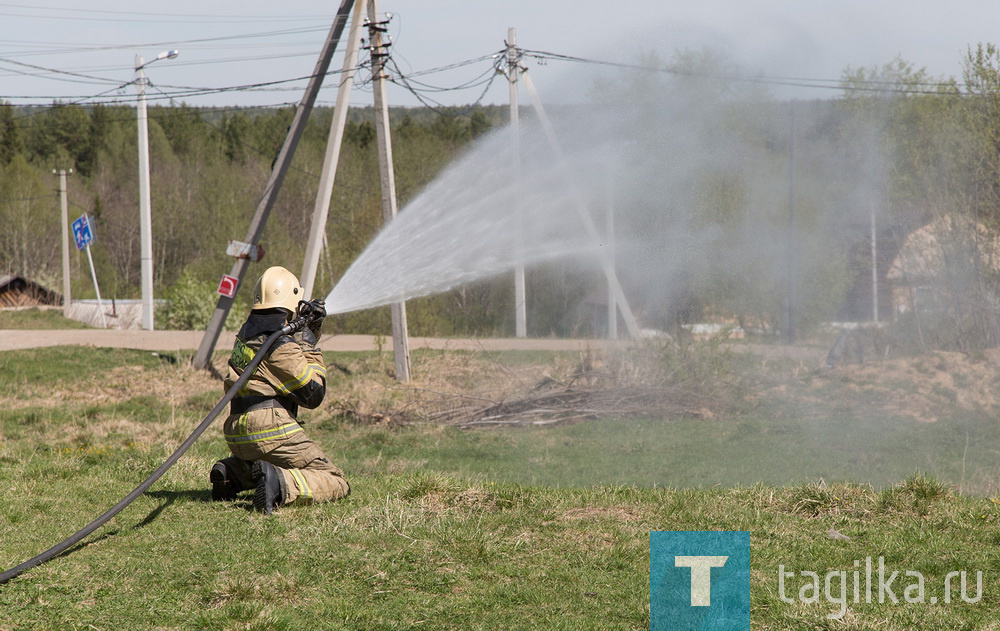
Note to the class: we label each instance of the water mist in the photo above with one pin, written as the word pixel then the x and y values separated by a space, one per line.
pixel 697 174
pixel 727 203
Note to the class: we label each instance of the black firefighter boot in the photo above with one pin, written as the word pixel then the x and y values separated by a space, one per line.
pixel 224 486
pixel 269 492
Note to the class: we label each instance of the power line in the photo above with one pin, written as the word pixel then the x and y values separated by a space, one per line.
pixel 180 91
pixel 930 88
pixel 63 47
pixel 478 80
pixel 453 66
pixel 198 62
pixel 437 106
pixel 199 40
pixel 148 16
pixel 79 101
pixel 93 79
pixel 169 20
pixel 421 90
pixel 259 150
pixel 188 91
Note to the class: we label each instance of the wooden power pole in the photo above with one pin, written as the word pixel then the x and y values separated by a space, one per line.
pixel 387 178
pixel 203 357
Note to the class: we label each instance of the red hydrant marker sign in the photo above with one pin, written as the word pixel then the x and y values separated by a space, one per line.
pixel 227 286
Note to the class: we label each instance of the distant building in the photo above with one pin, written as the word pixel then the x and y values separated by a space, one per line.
pixel 933 260
pixel 19 292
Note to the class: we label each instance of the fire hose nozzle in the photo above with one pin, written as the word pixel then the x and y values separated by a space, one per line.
pixel 308 311
pixel 294 325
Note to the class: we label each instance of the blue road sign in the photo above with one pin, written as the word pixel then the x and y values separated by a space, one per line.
pixel 82 232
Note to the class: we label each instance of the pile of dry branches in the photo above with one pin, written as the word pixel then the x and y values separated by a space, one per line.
pixel 618 385
pixel 569 404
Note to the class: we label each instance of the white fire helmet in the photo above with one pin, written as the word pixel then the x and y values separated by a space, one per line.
pixel 277 287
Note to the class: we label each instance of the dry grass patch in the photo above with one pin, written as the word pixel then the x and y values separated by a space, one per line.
pixel 487 390
pixel 615 513
pixel 923 388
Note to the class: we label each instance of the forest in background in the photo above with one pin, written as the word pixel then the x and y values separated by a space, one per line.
pixel 940 138
pixel 208 169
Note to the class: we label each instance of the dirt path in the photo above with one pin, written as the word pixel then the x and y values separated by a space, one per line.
pixel 812 357
pixel 190 340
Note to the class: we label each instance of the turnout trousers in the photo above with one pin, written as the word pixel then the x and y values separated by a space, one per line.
pixel 275 436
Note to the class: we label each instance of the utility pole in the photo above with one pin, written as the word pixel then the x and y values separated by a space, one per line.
pixel 520 304
pixel 203 357
pixel 790 244
pixel 610 232
pixel 387 178
pixel 874 266
pixel 64 208
pixel 145 216
pixel 321 211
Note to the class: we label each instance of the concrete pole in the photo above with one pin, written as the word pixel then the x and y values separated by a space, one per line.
pixel 321 211
pixel 387 179
pixel 520 304
pixel 64 208
pixel 145 219
pixel 203 357
pixel 874 268
pixel 610 232
pixel 581 208
pixel 790 333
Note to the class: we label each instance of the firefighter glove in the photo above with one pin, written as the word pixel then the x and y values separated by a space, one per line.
pixel 314 312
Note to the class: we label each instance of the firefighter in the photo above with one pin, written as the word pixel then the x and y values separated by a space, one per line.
pixel 270 452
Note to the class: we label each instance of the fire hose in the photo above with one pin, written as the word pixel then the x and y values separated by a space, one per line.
pixel 59 548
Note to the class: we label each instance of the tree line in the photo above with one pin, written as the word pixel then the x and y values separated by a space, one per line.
pixel 208 168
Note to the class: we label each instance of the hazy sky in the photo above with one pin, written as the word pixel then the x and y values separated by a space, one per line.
pixel 226 44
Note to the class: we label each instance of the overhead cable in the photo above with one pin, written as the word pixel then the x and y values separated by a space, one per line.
pixel 830 84
pixel 159 16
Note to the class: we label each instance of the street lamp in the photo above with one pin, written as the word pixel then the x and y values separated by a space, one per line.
pixel 145 220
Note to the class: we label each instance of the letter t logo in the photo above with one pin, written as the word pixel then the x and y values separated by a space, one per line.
pixel 701 576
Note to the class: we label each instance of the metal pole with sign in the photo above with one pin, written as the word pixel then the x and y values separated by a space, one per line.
pixel 83 233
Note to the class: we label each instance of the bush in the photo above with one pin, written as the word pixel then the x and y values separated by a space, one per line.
pixel 191 302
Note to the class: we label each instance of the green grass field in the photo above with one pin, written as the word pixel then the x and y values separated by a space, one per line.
pixel 518 528
pixel 37 319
